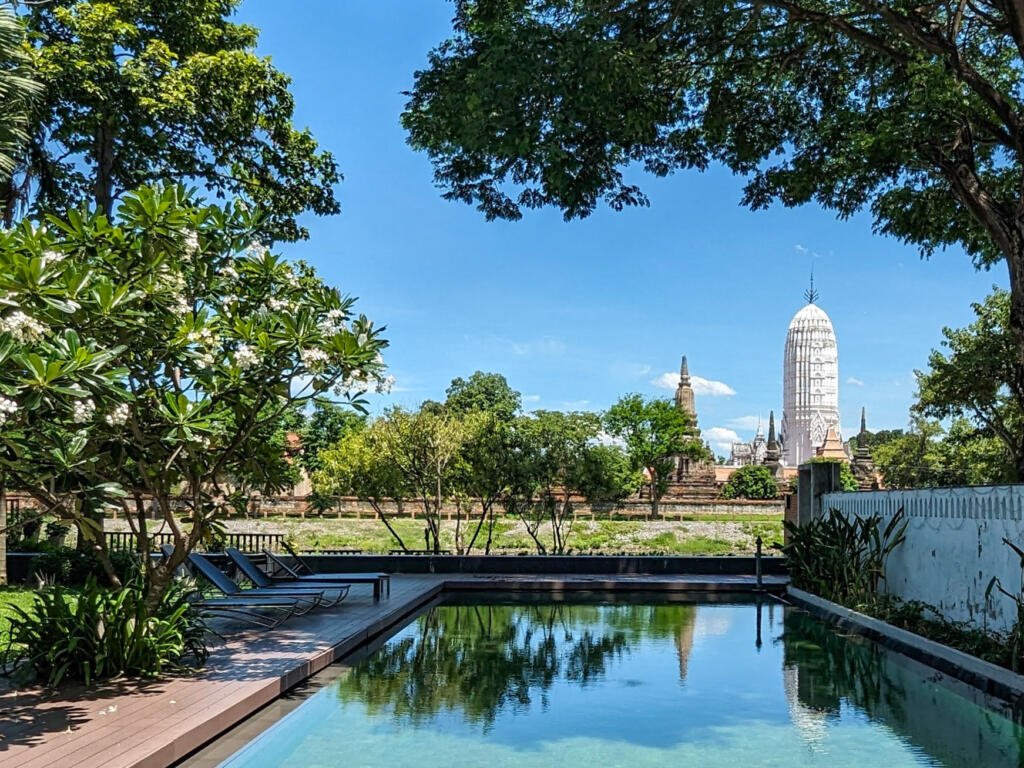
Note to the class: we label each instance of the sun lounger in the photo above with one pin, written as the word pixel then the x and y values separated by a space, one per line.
pixel 380 581
pixel 267 612
pixel 307 599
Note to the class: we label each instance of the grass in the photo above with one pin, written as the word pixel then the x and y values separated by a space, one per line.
pixel 704 535
pixel 9 597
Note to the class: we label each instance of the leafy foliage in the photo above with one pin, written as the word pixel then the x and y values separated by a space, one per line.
pixel 153 355
pixel 655 433
pixel 754 481
pixel 483 392
pixel 913 111
pixel 141 91
pixel 73 567
pixel 96 633
pixel 325 426
pixel 18 90
pixel 558 460
pixel 928 455
pixel 551 98
pixel 842 559
pixel 532 466
pixel 977 383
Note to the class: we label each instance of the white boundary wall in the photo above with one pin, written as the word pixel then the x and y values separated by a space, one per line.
pixel 954 547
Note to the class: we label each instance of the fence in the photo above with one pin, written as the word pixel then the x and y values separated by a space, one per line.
pixel 954 547
pixel 246 542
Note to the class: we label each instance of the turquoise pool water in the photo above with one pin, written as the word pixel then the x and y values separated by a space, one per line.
pixel 671 684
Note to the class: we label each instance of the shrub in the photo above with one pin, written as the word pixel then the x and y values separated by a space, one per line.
pixel 842 559
pixel 97 633
pixel 72 567
pixel 754 481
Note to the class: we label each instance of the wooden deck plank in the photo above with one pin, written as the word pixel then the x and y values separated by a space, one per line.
pixel 126 724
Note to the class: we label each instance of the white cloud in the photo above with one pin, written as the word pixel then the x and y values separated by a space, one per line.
pixel 855 381
pixel 701 386
pixel 531 398
pixel 666 381
pixel 746 422
pixel 721 439
pixel 712 388
pixel 800 248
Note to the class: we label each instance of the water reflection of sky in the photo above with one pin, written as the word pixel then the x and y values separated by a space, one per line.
pixel 683 686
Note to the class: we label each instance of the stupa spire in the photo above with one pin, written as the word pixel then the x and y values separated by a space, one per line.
pixel 684 393
pixel 810 294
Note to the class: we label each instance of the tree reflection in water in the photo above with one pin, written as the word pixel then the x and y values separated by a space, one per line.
pixel 825 672
pixel 482 660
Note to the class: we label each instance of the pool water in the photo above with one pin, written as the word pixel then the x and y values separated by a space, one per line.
pixel 655 684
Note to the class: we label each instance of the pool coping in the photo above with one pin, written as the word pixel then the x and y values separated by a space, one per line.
pixel 989 678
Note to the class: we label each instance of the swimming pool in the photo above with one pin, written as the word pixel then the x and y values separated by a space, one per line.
pixel 497 683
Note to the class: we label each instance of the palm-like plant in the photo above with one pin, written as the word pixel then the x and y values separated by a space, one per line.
pixel 17 89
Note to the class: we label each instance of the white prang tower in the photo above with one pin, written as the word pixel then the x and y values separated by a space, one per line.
pixel 810 382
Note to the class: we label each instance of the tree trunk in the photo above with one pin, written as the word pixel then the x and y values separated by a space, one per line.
pixel 1015 267
pixel 103 189
pixel 3 533
pixel 157 584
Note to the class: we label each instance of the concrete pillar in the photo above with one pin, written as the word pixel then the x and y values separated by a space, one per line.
pixel 815 480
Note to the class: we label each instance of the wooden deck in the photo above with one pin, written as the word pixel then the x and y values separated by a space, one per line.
pixel 127 724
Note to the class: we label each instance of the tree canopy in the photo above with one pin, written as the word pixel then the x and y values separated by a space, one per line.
pixel 976 380
pixel 149 359
pixel 141 91
pixel 654 431
pixel 754 481
pixel 910 110
pixel 18 89
pixel 487 392
pixel 929 455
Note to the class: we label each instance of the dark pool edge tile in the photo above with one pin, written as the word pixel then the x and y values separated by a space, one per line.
pixel 989 678
pixel 590 583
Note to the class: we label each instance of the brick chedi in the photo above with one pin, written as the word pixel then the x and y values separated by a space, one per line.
pixel 692 479
pixel 863 466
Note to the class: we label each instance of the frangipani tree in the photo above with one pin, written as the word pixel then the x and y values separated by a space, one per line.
pixel 143 360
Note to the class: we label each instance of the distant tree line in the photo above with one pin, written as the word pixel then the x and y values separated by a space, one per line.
pixel 477 452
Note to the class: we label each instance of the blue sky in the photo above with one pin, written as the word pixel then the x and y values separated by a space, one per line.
pixel 577 314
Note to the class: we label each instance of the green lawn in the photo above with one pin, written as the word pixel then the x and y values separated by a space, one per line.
pixel 12 596
pixel 711 535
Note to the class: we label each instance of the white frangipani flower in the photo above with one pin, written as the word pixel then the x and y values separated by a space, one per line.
pixel 181 306
pixel 333 322
pixel 7 408
pixel 83 410
pixel 52 257
pixel 191 242
pixel 313 359
pixel 246 357
pixel 22 327
pixel 118 416
pixel 276 305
